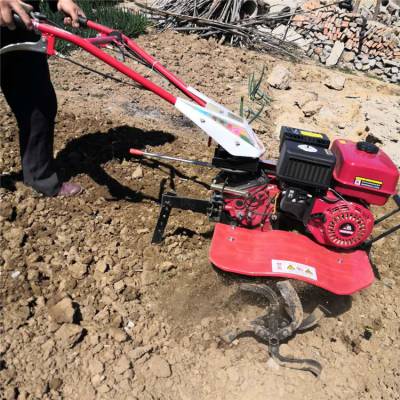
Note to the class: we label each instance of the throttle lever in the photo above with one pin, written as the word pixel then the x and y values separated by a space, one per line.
pixel 82 21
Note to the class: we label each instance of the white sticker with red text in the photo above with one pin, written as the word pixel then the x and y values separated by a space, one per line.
pixel 293 268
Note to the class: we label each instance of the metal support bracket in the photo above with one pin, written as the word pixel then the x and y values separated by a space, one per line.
pixel 170 200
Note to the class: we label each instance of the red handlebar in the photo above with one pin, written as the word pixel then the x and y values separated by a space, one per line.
pixel 89 45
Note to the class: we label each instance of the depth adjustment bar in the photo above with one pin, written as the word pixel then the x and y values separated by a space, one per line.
pixel 169 201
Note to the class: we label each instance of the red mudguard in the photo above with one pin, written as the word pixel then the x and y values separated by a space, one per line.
pixel 289 255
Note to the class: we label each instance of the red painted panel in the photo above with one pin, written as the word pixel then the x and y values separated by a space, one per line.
pixel 291 255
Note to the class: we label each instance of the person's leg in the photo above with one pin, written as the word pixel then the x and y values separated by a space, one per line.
pixel 25 82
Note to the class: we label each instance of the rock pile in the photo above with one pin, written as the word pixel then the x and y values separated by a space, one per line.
pixel 336 36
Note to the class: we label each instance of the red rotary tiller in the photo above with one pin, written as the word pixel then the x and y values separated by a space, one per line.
pixel 305 216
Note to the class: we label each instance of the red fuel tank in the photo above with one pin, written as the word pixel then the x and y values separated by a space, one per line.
pixel 364 171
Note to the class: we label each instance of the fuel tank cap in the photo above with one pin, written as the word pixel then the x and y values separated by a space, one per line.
pixel 368 147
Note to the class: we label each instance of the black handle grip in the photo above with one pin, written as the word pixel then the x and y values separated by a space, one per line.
pixel 82 21
pixel 19 24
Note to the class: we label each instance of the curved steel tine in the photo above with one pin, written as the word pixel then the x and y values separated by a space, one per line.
pixel 245 328
pixel 295 308
pixel 262 290
pixel 312 366
pixel 312 319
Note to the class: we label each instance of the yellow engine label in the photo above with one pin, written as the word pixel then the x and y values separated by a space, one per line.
pixel 312 134
pixel 369 183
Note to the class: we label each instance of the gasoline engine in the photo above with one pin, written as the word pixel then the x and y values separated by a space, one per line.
pixel 327 191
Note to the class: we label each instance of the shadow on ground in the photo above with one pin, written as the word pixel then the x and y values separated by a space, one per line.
pixel 89 153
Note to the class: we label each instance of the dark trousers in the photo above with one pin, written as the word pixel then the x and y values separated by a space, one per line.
pixel 25 82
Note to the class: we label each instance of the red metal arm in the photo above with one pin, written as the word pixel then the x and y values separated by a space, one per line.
pixel 150 60
pixel 89 45
pixel 52 32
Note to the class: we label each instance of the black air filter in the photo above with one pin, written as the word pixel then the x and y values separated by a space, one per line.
pixel 305 165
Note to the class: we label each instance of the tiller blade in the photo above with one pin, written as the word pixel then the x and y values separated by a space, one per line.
pixel 272 328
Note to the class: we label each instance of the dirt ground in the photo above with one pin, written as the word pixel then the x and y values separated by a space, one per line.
pixel 138 321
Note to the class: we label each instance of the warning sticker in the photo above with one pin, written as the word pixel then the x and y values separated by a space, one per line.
pixel 369 183
pixel 312 134
pixel 289 267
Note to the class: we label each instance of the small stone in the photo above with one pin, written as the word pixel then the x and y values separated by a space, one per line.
pixel 335 82
pixel 119 335
pixel 10 393
pixel 137 173
pixel 391 63
pixel 372 63
pixel 139 352
pixel 336 53
pixel 159 367
pixel 6 210
pixel 63 311
pixel 279 78
pixel 104 388
pixel 69 334
pixel 78 270
pixel 101 267
pixel 97 379
pixel 122 365
pixel 311 108
pixel 365 60
pixel 55 383
pixel 306 97
pixel 167 266
pixel 15 274
pixel 348 56
pixel 95 367
pixel 119 286
pixel 15 236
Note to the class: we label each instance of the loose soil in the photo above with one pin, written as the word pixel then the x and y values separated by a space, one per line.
pixel 144 321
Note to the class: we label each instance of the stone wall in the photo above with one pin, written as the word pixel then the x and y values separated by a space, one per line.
pixel 334 36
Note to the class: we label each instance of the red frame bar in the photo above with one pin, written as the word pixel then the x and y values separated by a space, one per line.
pixel 151 60
pixel 52 32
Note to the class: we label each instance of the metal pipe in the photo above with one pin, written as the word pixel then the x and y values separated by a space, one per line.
pixel 228 189
pixel 141 153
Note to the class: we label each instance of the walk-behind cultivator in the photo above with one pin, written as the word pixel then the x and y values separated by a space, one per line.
pixel 305 216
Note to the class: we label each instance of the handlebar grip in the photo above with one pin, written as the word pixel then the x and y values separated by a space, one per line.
pixel 19 24
pixel 82 21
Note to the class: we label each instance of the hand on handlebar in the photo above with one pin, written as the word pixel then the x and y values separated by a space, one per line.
pixel 72 12
pixel 8 7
